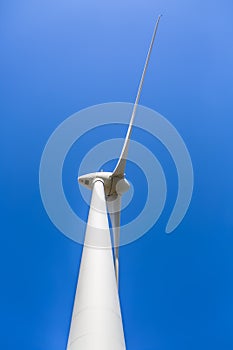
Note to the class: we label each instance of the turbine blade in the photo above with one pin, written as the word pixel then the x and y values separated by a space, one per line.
pixel 120 167
pixel 114 207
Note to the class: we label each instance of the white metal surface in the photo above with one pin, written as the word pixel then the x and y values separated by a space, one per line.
pixel 96 321
pixel 120 167
pixel 114 208
pixel 112 185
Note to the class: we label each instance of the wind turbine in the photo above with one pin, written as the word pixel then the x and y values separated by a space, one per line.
pixel 96 322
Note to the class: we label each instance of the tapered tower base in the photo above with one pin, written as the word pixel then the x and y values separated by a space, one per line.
pixel 96 321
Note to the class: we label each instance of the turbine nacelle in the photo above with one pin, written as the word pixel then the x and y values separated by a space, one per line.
pixel 112 184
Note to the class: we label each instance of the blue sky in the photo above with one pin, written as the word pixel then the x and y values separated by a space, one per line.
pixel 59 57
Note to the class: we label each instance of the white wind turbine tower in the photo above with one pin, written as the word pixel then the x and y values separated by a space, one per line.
pixel 96 321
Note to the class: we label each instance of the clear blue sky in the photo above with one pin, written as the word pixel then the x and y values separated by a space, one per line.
pixel 58 57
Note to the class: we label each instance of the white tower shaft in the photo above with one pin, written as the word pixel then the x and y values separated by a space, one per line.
pixel 96 321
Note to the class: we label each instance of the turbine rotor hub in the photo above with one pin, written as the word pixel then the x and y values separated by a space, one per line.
pixel 112 184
